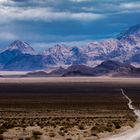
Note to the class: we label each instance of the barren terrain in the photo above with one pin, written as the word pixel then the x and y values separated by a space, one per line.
pixel 65 108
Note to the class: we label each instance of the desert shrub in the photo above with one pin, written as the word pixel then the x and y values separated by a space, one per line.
pixel 131 124
pixel 2 129
pixel 131 117
pixel 37 134
pixel 98 128
pixel 7 125
pixel 61 133
pixel 21 139
pixel 85 133
pixel 94 131
pixel 24 139
pixel 117 124
pixel 1 137
pixel 63 128
pixel 52 134
pixel 81 127
pixel 110 127
pixel 54 124
pixel 27 138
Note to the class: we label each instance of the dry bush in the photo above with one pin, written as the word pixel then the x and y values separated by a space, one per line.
pixel 1 137
pixel 110 127
pixel 131 124
pixel 132 117
pixel 61 133
pixel 118 124
pixel 24 139
pixel 52 134
pixel 81 127
pixel 36 134
pixel 7 125
pixel 2 129
pixel 94 131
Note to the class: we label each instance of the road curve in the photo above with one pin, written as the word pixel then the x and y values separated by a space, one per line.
pixel 131 134
pixel 137 112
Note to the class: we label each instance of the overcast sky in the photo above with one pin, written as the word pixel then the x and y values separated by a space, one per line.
pixel 43 23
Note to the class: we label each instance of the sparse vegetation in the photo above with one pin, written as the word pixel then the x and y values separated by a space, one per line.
pixel 1 137
pixel 37 134
pixel 52 134
pixel 68 116
pixel 2 130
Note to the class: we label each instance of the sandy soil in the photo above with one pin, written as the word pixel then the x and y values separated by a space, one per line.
pixel 24 100
pixel 130 134
pixel 96 80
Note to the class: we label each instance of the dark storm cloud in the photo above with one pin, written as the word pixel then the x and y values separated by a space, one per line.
pixel 47 21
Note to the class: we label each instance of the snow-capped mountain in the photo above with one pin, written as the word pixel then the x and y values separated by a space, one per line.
pixel 131 32
pixel 15 49
pixel 130 40
pixel 90 54
pixel 21 46
pixel 20 56
pixel 125 49
pixel 59 53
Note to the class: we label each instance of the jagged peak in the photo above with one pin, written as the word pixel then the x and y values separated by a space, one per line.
pixel 132 30
pixel 21 46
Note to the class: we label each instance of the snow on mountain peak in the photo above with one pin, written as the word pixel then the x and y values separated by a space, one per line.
pixel 125 49
pixel 22 46
pixel 134 30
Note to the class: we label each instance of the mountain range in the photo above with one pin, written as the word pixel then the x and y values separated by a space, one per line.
pixel 124 49
pixel 106 68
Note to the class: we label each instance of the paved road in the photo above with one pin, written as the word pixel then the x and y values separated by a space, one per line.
pixel 131 134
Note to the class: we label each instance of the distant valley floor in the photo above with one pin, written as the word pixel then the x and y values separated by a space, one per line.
pixel 66 108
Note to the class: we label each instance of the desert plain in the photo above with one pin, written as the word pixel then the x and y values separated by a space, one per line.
pixel 66 108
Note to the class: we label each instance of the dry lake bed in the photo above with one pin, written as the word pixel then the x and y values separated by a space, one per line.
pixel 70 108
